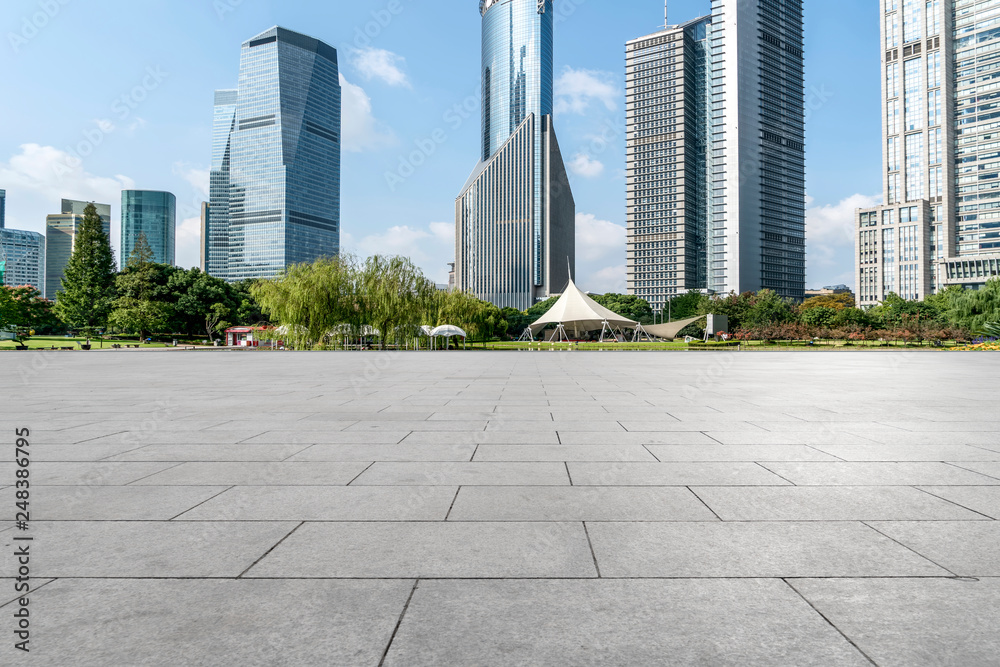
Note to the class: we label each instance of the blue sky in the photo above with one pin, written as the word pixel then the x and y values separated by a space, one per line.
pixel 101 95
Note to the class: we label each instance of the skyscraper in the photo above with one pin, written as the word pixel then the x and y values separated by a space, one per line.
pixel 516 219
pixel 203 245
pixel 60 235
pixel 939 224
pixel 667 92
pixel 22 256
pixel 275 181
pixel 153 214
pixel 716 153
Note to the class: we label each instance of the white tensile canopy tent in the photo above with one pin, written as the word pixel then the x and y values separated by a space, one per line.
pixel 577 314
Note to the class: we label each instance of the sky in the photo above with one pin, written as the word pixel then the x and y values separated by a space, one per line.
pixel 105 95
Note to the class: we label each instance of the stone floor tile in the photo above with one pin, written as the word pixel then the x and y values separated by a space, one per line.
pixel 913 622
pixel 827 503
pixel 738 453
pixel 164 623
pixel 460 474
pixel 326 503
pixel 578 503
pixel 949 453
pixel 386 453
pixel 431 550
pixel 210 453
pixel 606 622
pixel 127 549
pixel 784 549
pixel 878 474
pixel 672 474
pixel 258 474
pixel 563 453
pixel 114 503
pixel 966 548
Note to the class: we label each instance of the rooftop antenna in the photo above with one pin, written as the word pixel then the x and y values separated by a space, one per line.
pixel 666 22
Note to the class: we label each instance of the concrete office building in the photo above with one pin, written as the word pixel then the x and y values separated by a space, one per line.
pixel 515 220
pixel 716 153
pixel 22 257
pixel 940 221
pixel 275 178
pixel 22 254
pixel 153 214
pixel 60 234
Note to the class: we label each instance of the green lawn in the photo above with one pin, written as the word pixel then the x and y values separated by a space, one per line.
pixel 47 342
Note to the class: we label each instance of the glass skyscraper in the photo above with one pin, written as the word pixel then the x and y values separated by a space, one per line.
pixel 275 181
pixel 3 209
pixel 939 224
pixel 60 235
pixel 516 219
pixel 716 153
pixel 153 214
pixel 667 88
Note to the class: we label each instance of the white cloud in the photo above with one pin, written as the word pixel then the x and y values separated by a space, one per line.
pixel 444 232
pixel 608 280
pixel 596 239
pixel 575 89
pixel 188 243
pixel 38 177
pixel 830 228
pixel 381 64
pixel 361 130
pixel 430 248
pixel 197 177
pixel 584 165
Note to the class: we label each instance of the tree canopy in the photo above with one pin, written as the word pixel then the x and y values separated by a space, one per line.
pixel 88 286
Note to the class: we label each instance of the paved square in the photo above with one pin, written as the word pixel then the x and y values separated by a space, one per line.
pixel 506 508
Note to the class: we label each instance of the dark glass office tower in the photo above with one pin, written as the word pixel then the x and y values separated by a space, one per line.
pixel 275 182
pixel 153 214
pixel 515 219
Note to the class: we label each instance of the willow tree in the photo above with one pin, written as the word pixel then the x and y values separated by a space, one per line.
pixel 973 309
pixel 480 319
pixel 395 296
pixel 309 301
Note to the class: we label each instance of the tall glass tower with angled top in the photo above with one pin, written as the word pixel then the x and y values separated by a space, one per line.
pixel 275 182
pixel 515 219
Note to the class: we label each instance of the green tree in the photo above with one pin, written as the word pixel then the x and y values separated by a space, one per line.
pixel 88 288
pixel 395 294
pixel 819 316
pixel 972 309
pixel 833 301
pixel 23 311
pixel 137 310
pixel 481 320
pixel 309 301
pixel 627 305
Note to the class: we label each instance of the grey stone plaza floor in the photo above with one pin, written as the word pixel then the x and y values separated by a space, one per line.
pixel 506 508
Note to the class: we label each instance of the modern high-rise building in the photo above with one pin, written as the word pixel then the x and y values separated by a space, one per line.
pixel 515 241
pixel 275 180
pixel 22 259
pixel 153 214
pixel 716 153
pixel 203 245
pixel 939 223
pixel 3 209
pixel 60 235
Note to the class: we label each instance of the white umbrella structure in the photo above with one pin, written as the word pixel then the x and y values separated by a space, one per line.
pixel 448 331
pixel 577 313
